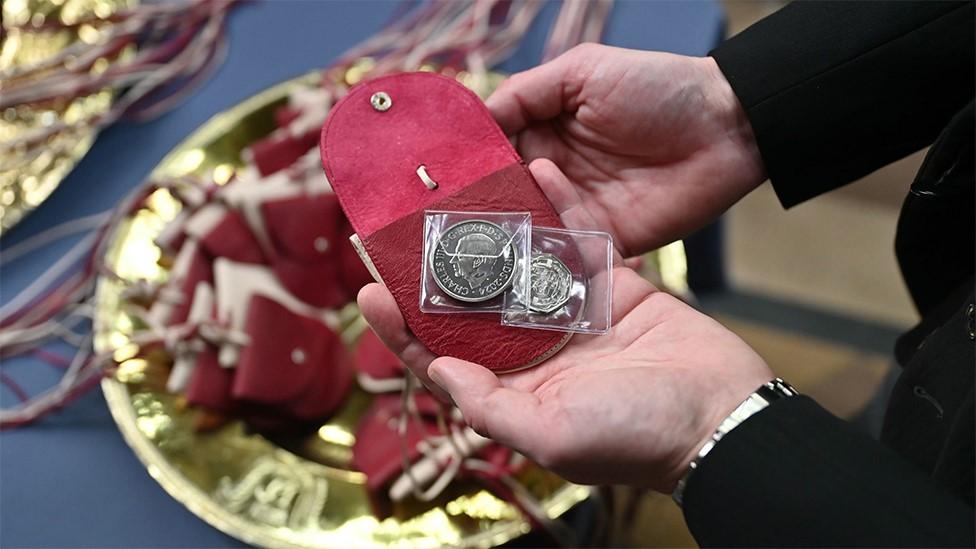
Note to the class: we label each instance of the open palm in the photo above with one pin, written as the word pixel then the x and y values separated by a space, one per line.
pixel 628 407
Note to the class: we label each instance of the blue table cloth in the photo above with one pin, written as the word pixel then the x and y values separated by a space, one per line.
pixel 70 480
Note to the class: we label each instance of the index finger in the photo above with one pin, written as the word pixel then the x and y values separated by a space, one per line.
pixel 539 93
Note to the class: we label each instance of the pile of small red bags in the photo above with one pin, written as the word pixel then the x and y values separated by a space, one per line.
pixel 261 267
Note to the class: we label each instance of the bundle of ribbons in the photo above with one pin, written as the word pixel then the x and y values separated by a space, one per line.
pixel 260 269
pixel 152 55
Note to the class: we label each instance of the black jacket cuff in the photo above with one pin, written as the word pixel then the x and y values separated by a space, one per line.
pixel 839 89
pixel 795 475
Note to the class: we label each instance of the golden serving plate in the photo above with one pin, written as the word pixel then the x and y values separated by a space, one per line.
pixel 25 180
pixel 296 492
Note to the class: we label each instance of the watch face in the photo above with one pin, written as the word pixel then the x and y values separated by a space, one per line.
pixel 473 261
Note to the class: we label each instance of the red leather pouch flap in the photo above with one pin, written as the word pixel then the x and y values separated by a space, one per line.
pixel 304 227
pixel 279 150
pixel 210 385
pixel 305 233
pixel 287 354
pixel 317 284
pixel 375 360
pixel 232 238
pixel 378 450
pixel 371 156
pixel 327 391
pixel 286 115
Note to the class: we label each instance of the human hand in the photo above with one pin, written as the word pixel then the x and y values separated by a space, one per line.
pixel 656 144
pixel 630 407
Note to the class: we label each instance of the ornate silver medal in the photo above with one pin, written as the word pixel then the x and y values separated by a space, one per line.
pixel 551 282
pixel 473 261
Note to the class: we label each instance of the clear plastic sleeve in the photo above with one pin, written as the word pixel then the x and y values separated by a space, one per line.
pixel 473 259
pixel 570 285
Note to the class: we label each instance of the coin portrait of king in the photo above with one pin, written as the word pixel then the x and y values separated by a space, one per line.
pixel 474 258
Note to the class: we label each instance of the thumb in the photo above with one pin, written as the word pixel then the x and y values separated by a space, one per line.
pixel 539 93
pixel 506 415
pixel 566 200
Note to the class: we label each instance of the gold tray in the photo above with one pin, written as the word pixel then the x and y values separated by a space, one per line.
pixel 278 493
pixel 26 182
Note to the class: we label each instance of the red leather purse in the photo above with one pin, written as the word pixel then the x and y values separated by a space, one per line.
pixel 304 234
pixel 372 145
pixel 382 451
pixel 293 363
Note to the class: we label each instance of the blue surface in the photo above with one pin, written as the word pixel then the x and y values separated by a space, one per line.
pixel 70 480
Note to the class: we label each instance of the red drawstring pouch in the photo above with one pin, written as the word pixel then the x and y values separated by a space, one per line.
pixel 373 144
pixel 304 233
pixel 293 363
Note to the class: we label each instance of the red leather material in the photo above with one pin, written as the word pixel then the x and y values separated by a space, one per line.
pixel 173 244
pixel 199 271
pixel 327 393
pixel 293 361
pixel 305 233
pixel 294 225
pixel 478 338
pixel 497 455
pixel 317 284
pixel 280 150
pixel 371 159
pixel 286 115
pixel 232 238
pixel 374 359
pixel 378 447
pixel 211 383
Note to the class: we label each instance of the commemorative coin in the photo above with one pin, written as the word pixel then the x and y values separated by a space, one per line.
pixel 550 283
pixel 473 261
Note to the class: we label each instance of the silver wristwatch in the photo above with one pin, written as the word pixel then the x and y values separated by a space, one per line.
pixel 773 390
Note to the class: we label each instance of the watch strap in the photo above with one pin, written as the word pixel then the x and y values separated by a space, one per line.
pixel 766 394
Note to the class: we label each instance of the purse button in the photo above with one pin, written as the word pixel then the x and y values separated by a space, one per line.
pixel 381 101
pixel 321 244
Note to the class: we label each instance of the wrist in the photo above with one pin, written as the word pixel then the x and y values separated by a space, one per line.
pixel 739 129
pixel 762 397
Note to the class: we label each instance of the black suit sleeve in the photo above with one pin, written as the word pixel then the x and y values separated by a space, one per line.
pixel 793 475
pixel 836 90
pixel 833 92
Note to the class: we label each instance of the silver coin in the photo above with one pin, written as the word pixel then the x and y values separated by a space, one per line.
pixel 473 261
pixel 551 282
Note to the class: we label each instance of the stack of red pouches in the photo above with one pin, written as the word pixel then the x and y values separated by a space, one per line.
pixel 261 262
pixel 265 262
pixel 382 450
